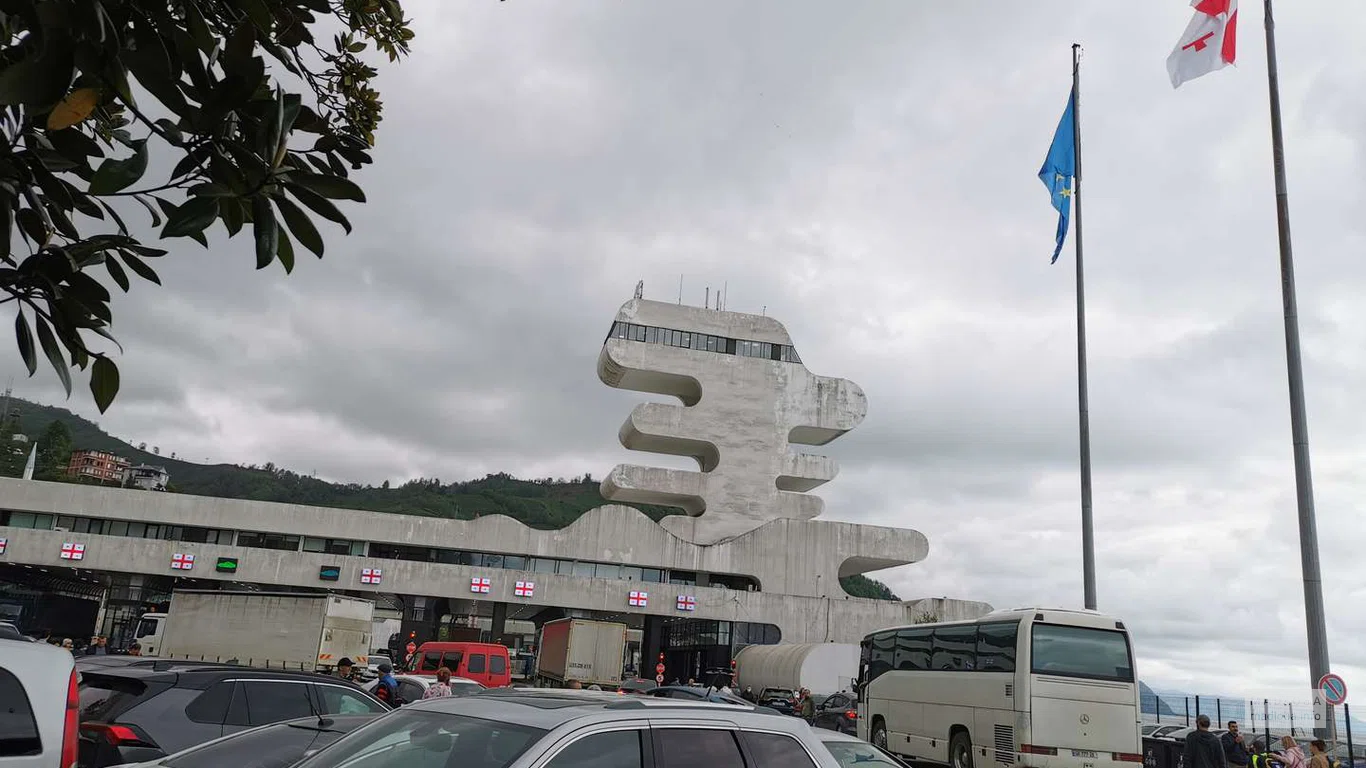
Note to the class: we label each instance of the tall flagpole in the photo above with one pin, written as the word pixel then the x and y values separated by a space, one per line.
pixel 1088 538
pixel 1299 426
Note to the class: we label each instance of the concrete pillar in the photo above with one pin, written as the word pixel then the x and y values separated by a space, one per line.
pixel 498 626
pixel 419 622
pixel 651 642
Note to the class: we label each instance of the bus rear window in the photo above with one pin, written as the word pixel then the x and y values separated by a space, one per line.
pixel 1096 654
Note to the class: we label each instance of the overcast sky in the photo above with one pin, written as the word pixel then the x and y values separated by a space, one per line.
pixel 866 173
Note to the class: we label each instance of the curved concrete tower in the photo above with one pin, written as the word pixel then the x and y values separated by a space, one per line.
pixel 745 399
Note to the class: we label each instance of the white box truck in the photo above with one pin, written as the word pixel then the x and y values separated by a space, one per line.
pixel 261 629
pixel 591 652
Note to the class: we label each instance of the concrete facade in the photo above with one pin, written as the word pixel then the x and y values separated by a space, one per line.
pixel 745 398
pixel 797 563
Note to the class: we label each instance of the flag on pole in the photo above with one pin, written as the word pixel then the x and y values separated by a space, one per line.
pixel 1209 43
pixel 32 459
pixel 1059 168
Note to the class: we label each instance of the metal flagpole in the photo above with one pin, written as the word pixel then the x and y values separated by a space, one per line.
pixel 1299 427
pixel 1088 539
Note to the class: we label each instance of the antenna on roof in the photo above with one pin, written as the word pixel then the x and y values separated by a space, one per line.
pixel 640 289
pixel 707 303
pixel 680 289
pixel 725 294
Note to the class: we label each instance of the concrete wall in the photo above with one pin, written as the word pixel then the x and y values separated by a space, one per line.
pixel 800 618
pixel 737 419
pixel 795 557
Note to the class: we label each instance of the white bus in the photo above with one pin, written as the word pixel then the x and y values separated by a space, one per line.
pixel 1034 687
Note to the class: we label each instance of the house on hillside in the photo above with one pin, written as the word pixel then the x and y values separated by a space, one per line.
pixel 146 477
pixel 99 466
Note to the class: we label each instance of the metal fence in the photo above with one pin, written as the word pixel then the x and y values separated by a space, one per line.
pixel 1266 719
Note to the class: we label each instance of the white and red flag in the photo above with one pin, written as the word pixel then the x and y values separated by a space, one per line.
pixel 1209 42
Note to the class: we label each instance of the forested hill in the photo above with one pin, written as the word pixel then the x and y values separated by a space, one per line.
pixel 547 503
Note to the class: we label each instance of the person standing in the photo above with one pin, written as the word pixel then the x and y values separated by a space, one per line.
pixel 1318 754
pixel 1235 751
pixel 441 688
pixel 345 668
pixel 386 690
pixel 808 707
pixel 1203 749
pixel 1291 755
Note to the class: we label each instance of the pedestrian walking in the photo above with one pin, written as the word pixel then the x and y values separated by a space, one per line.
pixel 1235 752
pixel 1203 749
pixel 441 688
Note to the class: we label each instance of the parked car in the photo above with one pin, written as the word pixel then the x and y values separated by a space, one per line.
pixel 851 751
pixel 780 699
pixel 9 631
pixel 486 663
pixel 561 728
pixel 412 687
pixel 133 713
pixel 281 744
pixel 38 692
pixel 637 685
pixel 838 712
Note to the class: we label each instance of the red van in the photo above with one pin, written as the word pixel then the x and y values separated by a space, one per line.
pixel 485 663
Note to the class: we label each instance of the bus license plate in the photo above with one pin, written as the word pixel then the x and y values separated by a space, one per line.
pixel 1084 753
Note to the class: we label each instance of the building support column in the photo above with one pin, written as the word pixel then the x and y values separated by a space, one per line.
pixel 498 625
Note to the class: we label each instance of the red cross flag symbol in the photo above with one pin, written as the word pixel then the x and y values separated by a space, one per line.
pixel 371 575
pixel 687 603
pixel 3 544
pixel 72 551
pixel 1209 43
pixel 182 562
pixel 525 589
pixel 479 585
pixel 638 599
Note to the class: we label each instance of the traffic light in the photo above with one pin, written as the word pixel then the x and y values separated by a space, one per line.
pixel 661 657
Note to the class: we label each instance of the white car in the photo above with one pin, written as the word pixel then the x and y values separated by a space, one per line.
pixel 852 751
pixel 412 687
pixel 41 715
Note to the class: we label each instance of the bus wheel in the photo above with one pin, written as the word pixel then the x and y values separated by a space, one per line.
pixel 960 750
pixel 879 737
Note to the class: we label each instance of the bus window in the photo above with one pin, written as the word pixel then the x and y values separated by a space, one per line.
pixel 913 647
pixel 996 646
pixel 1098 654
pixel 883 652
pixel 955 648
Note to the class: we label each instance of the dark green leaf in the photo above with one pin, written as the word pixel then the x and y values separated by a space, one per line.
pixel 355 47
pixel 24 337
pixel 285 253
pixel 60 219
pixel 83 202
pixel 140 267
pixel 104 382
pixel 233 216
pixel 32 226
pixel 319 205
pixel 156 217
pixel 123 228
pixel 210 189
pixel 116 272
pixel 74 144
pixel 267 231
pixel 54 353
pixel 115 175
pixel 331 187
pixel 88 287
pixel 147 253
pixel 40 79
pixel 6 226
pixel 301 226
pixel 191 218
pixel 171 131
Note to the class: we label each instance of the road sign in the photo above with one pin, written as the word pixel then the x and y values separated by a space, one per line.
pixel 659 679
pixel 1334 689
pixel 659 669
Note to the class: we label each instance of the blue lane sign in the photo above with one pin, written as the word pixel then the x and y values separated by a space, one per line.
pixel 1334 689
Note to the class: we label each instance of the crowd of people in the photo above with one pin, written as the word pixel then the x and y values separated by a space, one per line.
pixel 1205 750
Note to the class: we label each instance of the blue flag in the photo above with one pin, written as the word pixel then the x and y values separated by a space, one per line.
pixel 1057 172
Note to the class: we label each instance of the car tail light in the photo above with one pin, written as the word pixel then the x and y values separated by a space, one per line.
pixel 1126 757
pixel 1034 749
pixel 71 725
pixel 117 735
pixel 852 714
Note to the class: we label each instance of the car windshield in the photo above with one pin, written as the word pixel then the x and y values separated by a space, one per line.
pixel 777 693
pixel 427 739
pixel 465 689
pixel 851 753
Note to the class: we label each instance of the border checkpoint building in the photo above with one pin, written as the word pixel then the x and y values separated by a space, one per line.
pixel 745 561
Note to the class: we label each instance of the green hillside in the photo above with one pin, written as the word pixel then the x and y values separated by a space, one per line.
pixel 546 504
